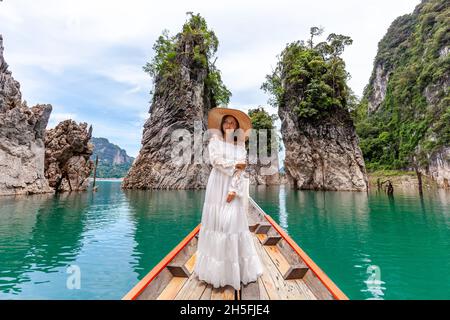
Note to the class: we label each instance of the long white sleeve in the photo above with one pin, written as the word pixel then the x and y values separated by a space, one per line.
pixel 237 184
pixel 238 181
pixel 217 157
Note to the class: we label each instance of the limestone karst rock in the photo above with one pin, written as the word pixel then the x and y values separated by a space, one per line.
pixel 403 118
pixel 323 155
pixel 22 132
pixel 181 100
pixel 438 167
pixel 309 88
pixel 67 152
pixel 174 108
pixel 258 177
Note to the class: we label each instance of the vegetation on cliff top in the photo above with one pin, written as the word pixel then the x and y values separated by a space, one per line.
pixel 312 77
pixel 407 127
pixel 170 52
pixel 262 120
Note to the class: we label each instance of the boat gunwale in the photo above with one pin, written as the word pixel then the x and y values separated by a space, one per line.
pixel 320 274
pixel 141 285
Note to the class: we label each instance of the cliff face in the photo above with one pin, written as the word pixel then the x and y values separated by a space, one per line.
pixel 398 33
pixel 266 173
pixel 438 167
pixel 259 177
pixel 324 154
pixel 379 84
pixel 176 106
pixel 182 98
pixel 404 115
pixel 67 153
pixel 21 138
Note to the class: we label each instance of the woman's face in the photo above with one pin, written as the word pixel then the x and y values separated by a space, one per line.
pixel 230 123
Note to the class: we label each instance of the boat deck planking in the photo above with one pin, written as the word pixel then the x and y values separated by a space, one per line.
pixel 288 273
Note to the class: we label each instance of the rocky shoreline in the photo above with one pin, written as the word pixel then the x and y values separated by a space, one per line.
pixel 402 179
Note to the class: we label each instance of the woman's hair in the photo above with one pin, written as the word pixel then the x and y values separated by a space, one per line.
pixel 223 121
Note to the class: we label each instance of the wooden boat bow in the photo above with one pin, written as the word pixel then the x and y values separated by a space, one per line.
pixel 289 273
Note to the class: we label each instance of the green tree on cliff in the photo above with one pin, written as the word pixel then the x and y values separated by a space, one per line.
pixel 313 76
pixel 169 51
pixel 262 120
pixel 412 121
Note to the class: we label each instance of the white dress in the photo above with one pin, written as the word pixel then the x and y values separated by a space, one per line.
pixel 226 254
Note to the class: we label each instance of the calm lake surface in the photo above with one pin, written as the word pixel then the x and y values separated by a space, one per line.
pixel 371 246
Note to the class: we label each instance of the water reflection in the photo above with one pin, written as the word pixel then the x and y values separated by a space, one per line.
pixel 162 220
pixel 117 236
pixel 350 234
pixel 38 234
pixel 283 210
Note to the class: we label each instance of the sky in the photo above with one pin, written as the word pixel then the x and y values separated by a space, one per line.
pixel 85 57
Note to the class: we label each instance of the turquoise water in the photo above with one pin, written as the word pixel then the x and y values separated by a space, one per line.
pixel 109 240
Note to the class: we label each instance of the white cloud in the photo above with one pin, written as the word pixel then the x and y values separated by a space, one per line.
pixel 57 117
pixel 10 14
pixel 144 116
pixel 247 67
pixel 127 74
pixel 75 32
pixel 134 90
pixel 114 39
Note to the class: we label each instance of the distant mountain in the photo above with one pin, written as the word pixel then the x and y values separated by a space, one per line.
pixel 113 162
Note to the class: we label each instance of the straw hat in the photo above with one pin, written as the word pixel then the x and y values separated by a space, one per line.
pixel 215 119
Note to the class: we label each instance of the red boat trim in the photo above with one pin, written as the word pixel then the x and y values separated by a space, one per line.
pixel 137 290
pixel 332 288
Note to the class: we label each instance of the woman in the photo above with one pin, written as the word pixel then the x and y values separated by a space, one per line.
pixel 226 253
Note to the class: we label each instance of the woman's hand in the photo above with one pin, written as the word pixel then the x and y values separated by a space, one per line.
pixel 231 196
pixel 241 166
